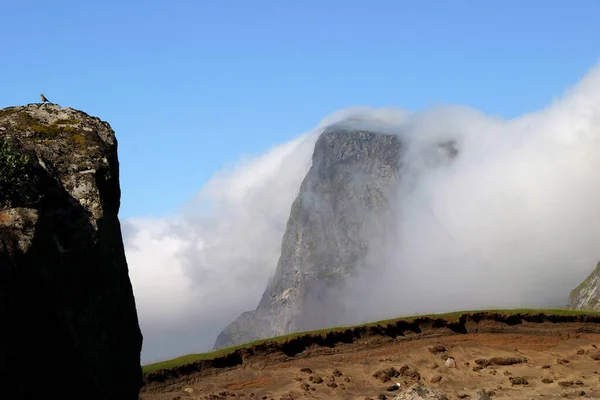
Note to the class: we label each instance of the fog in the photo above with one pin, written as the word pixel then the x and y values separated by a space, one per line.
pixel 512 221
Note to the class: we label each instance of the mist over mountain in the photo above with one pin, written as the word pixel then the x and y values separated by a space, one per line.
pixel 510 221
pixel 344 201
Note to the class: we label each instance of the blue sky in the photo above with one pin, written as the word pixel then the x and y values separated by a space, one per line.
pixel 190 86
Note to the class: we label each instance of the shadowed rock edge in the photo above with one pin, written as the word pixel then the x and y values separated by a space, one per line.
pixel 66 301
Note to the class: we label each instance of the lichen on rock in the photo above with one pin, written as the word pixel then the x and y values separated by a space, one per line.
pixel 66 302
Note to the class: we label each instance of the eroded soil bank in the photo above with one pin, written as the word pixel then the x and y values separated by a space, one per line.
pixel 272 369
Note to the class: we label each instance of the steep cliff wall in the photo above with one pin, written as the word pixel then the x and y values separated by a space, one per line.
pixel 586 296
pixel 343 201
pixel 69 321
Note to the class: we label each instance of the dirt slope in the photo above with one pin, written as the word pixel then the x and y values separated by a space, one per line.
pixel 521 356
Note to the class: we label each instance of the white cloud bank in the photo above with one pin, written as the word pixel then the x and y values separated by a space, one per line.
pixel 513 222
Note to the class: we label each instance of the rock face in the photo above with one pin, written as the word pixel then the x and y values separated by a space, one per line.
pixel 343 200
pixel 342 220
pixel 418 392
pixel 586 296
pixel 69 321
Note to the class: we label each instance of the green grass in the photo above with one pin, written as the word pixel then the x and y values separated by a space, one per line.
pixel 450 317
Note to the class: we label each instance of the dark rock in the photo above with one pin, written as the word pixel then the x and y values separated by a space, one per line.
pixel 66 301
pixel 438 348
pixel 392 388
pixel 566 383
pixel 484 362
pixel 507 360
pixel 409 373
pixel 500 361
pixel 385 375
pixel 518 380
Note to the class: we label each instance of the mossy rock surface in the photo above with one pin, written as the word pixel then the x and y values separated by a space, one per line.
pixel 73 142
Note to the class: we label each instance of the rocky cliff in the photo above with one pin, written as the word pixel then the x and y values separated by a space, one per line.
pixel 69 321
pixel 586 296
pixel 342 202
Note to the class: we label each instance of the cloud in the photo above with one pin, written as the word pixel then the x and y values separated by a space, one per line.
pixel 194 273
pixel 512 222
